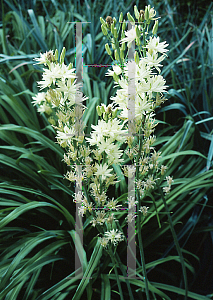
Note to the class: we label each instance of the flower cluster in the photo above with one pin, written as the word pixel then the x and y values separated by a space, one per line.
pixel 61 93
pixel 113 236
pixel 167 188
pixel 124 133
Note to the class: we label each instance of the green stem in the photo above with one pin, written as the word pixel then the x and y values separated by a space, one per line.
pixel 125 276
pixel 140 144
pixel 176 243
pixel 144 41
pixel 141 248
pixel 139 219
pixel 116 273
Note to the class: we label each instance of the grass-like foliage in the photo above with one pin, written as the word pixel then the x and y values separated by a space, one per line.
pixel 37 212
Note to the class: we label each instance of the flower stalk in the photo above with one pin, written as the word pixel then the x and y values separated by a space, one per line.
pixel 109 143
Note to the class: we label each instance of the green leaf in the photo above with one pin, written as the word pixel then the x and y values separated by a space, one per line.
pixel 94 260
pixel 105 287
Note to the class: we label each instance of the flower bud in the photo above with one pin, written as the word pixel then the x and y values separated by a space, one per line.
pixel 98 108
pixel 114 21
pixel 136 12
pixel 121 17
pixel 121 54
pixel 146 15
pixel 102 21
pixel 70 66
pixel 56 54
pixel 123 46
pixel 138 33
pixel 51 121
pixel 109 52
pixel 114 113
pixel 104 29
pixel 130 17
pixel 62 56
pixel 138 42
pixel 149 13
pixel 116 54
pixel 104 116
pixel 116 77
pixel 136 56
pixel 115 33
pixel 123 25
pixel 103 108
pixel 155 27
pixel 112 28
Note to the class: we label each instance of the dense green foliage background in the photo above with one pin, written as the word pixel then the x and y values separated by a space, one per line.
pixel 37 213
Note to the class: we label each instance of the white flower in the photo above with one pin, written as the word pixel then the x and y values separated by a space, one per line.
pixel 169 180
pixel 66 135
pixel 130 217
pixel 166 189
pixel 103 242
pixel 104 145
pixel 157 84
pixel 114 154
pixel 111 219
pixel 154 61
pixel 63 72
pixel 100 217
pixel 78 197
pixel 112 204
pixel 82 210
pixel 112 150
pixel 123 83
pixel 45 108
pixel 150 12
pixel 69 90
pixel 116 69
pixel 56 71
pixel 131 70
pixel 40 97
pixel 47 80
pixel 150 183
pixel 70 176
pixel 114 236
pixel 130 36
pixel 111 130
pixel 45 57
pixel 141 104
pixel 154 84
pixel 163 169
pixel 144 210
pixel 131 202
pixel 103 171
pixel 143 70
pixel 94 223
pixel 155 45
